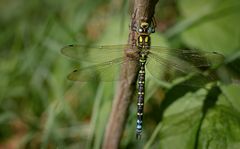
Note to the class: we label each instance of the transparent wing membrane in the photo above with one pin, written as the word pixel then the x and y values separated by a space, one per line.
pixel 197 58
pixel 167 60
pixel 107 71
pixel 162 63
pixel 168 64
pixel 95 54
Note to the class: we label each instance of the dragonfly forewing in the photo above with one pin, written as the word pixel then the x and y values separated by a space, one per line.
pixel 94 54
pixel 167 64
pixel 195 57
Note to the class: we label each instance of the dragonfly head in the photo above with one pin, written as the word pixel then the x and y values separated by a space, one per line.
pixel 145 28
pixel 144 25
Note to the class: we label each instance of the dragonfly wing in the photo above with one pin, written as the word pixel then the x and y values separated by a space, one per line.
pixel 163 68
pixel 168 63
pixel 95 54
pixel 107 71
pixel 197 58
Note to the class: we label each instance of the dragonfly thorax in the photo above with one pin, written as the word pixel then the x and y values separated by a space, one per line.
pixel 143 41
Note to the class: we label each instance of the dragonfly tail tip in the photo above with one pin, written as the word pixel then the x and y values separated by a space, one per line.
pixel 138 136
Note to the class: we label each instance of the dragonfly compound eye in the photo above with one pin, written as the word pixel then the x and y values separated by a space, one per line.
pixel 140 30
pixel 151 30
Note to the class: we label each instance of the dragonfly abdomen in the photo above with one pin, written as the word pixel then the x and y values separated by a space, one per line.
pixel 140 100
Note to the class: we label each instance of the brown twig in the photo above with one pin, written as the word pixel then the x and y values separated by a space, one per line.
pixel 144 11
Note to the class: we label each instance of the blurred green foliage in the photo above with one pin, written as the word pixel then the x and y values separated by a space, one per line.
pixel 40 108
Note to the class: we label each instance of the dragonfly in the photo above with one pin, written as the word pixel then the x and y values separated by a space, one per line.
pixel 106 61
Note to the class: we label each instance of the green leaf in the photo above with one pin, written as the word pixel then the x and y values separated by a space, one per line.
pixel 220 129
pixel 204 119
pixel 232 93
pixel 212 25
pixel 180 122
pixel 221 125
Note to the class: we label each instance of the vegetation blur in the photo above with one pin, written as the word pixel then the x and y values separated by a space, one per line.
pixel 40 108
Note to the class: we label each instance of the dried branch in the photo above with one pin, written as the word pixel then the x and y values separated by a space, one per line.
pixel 143 10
